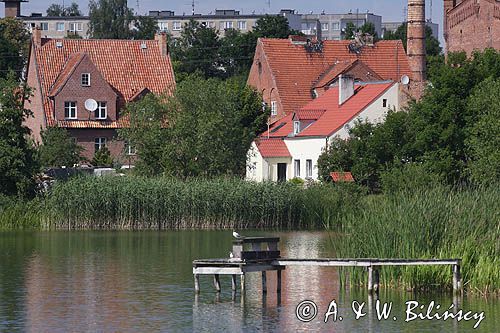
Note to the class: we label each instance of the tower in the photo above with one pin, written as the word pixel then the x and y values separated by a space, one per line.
pixel 448 5
pixel 416 39
pixel 13 7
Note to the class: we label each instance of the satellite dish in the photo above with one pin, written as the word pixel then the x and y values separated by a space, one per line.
pixel 91 105
pixel 405 80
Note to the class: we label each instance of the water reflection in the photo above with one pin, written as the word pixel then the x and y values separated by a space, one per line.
pixel 129 282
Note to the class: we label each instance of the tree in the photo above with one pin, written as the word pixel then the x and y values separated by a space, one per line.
pixel 483 136
pixel 57 10
pixel 273 26
pixel 197 50
pixel 145 27
pixel 14 47
pixel 432 46
pixel 110 19
pixel 211 124
pixel 17 155
pixel 237 52
pixel 102 158
pixel 58 149
pixel 350 30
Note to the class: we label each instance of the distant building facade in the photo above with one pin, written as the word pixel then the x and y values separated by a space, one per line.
pixel 333 25
pixel 393 26
pixel 471 25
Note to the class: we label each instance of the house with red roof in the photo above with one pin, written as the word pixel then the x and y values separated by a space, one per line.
pixel 290 73
pixel 290 148
pixel 83 85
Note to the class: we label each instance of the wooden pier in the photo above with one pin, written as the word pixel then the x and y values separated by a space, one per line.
pixel 264 256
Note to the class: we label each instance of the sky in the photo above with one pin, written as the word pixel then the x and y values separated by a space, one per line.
pixel 390 10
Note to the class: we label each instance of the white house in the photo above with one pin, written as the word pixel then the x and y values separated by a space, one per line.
pixel 291 147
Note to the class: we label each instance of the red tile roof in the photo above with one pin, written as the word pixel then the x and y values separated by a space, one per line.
pixel 342 177
pixel 272 148
pixel 329 116
pixel 334 71
pixel 296 71
pixel 337 115
pixel 70 65
pixel 124 64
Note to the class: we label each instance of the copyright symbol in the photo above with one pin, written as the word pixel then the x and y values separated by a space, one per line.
pixel 306 311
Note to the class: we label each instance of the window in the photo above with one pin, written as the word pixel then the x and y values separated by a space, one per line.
pixel 163 26
pixel 176 26
pixel 336 26
pixel 242 25
pixel 99 143
pixel 384 103
pixel 75 26
pixel 102 110
pixel 70 110
pixel 86 79
pixel 296 164
pixel 44 26
pixel 324 26
pixel 274 108
pixel 223 25
pixel 60 26
pixel 296 127
pixel 309 168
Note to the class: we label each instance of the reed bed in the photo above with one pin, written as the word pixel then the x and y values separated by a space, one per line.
pixel 431 223
pixel 21 214
pixel 166 203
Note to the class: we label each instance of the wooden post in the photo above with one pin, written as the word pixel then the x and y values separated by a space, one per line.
pixel 242 283
pixel 264 282
pixel 217 282
pixel 457 280
pixel 278 281
pixel 376 279
pixel 197 283
pixel 233 282
pixel 370 279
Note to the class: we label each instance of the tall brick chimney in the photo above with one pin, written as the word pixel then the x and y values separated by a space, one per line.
pixel 416 39
pixel 13 7
pixel 162 40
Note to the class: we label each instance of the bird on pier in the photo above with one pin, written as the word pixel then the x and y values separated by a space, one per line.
pixel 231 255
pixel 236 235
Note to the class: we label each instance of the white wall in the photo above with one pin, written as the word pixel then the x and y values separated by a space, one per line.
pixel 261 169
pixel 375 113
pixel 305 149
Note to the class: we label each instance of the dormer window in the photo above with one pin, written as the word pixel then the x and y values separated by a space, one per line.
pixel 296 127
pixel 102 110
pixel 86 80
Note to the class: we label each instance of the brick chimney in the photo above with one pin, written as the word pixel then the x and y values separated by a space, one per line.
pixel 161 38
pixel 37 36
pixel 346 88
pixel 12 7
pixel 416 39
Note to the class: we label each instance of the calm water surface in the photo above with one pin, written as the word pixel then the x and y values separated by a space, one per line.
pixel 142 282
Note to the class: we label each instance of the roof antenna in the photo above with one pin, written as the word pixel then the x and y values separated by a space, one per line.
pixel 138 7
pixel 269 3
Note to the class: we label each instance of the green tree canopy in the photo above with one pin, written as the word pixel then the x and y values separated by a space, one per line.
pixel 14 46
pixel 145 27
pixel 205 129
pixel 58 149
pixel 432 46
pixel 110 19
pixel 17 155
pixel 273 26
pixel 58 10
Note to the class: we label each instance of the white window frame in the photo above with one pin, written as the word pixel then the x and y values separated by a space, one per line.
pixel 59 24
pixel 274 108
pixel 44 25
pixel 130 150
pixel 296 168
pixel 309 168
pixel 99 143
pixel 325 26
pixel 102 110
pixel 163 26
pixel 296 127
pixel 336 26
pixel 242 25
pixel 75 26
pixel 384 102
pixel 70 110
pixel 85 79
pixel 176 26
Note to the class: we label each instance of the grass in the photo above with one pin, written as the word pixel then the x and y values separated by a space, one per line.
pixel 20 214
pixel 432 223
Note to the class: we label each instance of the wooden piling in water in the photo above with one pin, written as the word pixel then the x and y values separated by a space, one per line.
pixel 217 282
pixel 264 282
pixel 233 282
pixel 197 283
pixel 278 281
pixel 457 279
pixel 242 283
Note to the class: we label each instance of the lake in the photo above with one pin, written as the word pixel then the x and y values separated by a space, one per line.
pixel 143 282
